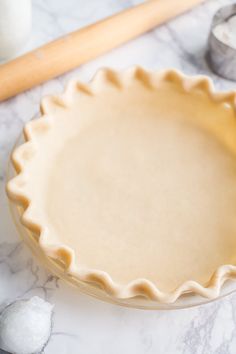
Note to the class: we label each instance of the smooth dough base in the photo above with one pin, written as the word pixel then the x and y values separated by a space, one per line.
pixel 142 197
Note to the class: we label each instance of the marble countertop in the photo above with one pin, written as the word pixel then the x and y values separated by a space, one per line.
pixel 83 324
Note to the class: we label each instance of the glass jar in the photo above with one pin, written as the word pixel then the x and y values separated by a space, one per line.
pixel 15 26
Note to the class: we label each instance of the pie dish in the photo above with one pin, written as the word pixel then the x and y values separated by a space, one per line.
pixel 130 182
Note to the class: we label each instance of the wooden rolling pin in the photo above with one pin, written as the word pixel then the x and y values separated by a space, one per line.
pixel 78 47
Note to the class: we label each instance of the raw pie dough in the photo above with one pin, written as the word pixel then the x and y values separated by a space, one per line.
pixel 138 178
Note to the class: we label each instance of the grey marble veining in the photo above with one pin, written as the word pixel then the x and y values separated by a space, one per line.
pixel 82 324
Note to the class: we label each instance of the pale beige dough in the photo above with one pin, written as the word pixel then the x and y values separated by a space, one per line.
pixel 147 192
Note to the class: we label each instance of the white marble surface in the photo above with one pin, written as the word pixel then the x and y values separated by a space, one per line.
pixel 82 324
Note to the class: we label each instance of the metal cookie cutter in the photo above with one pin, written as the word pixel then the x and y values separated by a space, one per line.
pixel 222 56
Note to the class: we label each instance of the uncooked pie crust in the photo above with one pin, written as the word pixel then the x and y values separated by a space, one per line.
pixel 131 182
